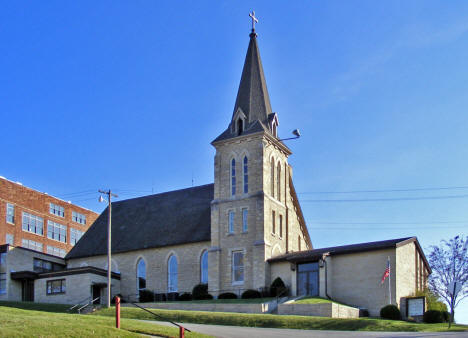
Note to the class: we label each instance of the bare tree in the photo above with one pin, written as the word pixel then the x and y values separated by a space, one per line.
pixel 449 278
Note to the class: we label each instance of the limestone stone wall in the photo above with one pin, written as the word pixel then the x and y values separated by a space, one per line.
pixel 331 310
pixel 188 258
pixel 78 289
pixel 19 259
pixel 354 279
pixel 405 273
pixel 259 242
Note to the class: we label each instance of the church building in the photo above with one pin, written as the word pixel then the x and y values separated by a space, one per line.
pixel 239 233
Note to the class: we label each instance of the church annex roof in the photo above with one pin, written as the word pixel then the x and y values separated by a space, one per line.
pixel 252 97
pixel 170 218
pixel 316 254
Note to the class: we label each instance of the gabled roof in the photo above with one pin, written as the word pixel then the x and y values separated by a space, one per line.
pixel 316 254
pixel 252 97
pixel 171 218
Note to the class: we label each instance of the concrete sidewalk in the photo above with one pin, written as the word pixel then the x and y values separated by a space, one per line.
pixel 257 332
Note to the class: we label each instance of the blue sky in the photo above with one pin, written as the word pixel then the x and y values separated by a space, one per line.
pixel 129 95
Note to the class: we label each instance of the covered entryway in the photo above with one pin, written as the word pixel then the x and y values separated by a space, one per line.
pixel 26 278
pixel 308 279
pixel 96 291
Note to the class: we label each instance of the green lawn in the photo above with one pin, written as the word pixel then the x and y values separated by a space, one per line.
pixel 16 322
pixel 37 306
pixel 224 301
pixel 276 321
pixel 316 300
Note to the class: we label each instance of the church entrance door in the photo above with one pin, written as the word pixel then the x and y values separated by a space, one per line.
pixel 308 279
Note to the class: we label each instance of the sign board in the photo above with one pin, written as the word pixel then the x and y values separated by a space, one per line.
pixel 415 306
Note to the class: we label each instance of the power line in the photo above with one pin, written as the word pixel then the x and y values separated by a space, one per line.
pixel 388 199
pixel 382 190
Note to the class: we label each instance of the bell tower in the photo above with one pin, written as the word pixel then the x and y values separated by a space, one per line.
pixel 249 213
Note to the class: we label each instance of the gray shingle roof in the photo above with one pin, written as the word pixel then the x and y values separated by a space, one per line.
pixel 339 250
pixel 170 218
pixel 252 96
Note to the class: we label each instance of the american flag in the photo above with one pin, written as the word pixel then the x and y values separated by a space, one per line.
pixel 386 272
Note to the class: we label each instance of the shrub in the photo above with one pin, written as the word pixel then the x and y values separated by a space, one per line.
pixel 171 296
pixel 433 316
pixel 199 291
pixel 185 297
pixel 277 288
pixel 446 316
pixel 251 294
pixel 146 296
pixel 207 296
pixel 363 313
pixel 227 295
pixel 160 297
pixel 433 300
pixel 390 312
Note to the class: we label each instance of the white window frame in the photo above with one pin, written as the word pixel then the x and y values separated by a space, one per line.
pixel 56 210
pixel 32 229
pixel 235 268
pixel 10 213
pixel 54 251
pixel 33 245
pixel 54 228
pixel 75 235
pixel 78 218
pixel 9 239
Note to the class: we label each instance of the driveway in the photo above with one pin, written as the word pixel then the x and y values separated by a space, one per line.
pixel 257 332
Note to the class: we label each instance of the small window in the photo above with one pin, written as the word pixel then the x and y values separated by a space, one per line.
pixel 41 265
pixel 32 223
pixel 240 126
pixel 75 235
pixel 231 222
pixel 246 175
pixel 52 250
pixel 10 213
pixel 233 177
pixel 28 244
pixel 56 231
pixel 3 271
pixel 281 226
pixel 245 225
pixel 237 267
pixel 172 274
pixel 78 218
pixel 204 268
pixel 10 239
pixel 57 210
pixel 273 222
pixel 299 242
pixel 56 286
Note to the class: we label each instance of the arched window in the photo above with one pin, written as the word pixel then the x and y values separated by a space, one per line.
pixel 272 177
pixel 204 268
pixel 233 177
pixel 299 242
pixel 141 275
pixel 172 274
pixel 246 175
pixel 278 181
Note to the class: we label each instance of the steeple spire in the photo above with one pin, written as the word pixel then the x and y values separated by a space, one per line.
pixel 252 110
pixel 252 96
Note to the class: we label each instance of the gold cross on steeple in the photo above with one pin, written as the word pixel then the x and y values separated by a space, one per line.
pixel 254 20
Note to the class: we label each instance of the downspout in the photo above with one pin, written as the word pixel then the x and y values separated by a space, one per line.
pixel 324 260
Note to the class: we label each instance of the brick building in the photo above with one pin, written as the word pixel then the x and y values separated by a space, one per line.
pixel 38 221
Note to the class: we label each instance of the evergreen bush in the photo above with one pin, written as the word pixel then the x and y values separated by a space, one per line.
pixel 185 297
pixel 277 288
pixel 390 312
pixel 146 296
pixel 248 294
pixel 433 316
pixel 227 295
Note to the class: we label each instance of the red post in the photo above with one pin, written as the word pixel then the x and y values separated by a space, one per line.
pixel 117 312
pixel 181 332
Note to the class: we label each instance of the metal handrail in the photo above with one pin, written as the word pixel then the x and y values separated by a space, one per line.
pixel 160 317
pixel 79 303
pixel 90 302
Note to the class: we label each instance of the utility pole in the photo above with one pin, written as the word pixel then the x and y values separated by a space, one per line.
pixel 109 232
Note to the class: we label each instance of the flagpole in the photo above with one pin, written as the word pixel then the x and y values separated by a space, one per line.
pixel 389 282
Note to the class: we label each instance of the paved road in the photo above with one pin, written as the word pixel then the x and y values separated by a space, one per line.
pixel 257 332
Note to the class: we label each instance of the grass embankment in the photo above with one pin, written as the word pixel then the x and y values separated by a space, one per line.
pixel 223 301
pixel 277 321
pixel 37 306
pixel 16 322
